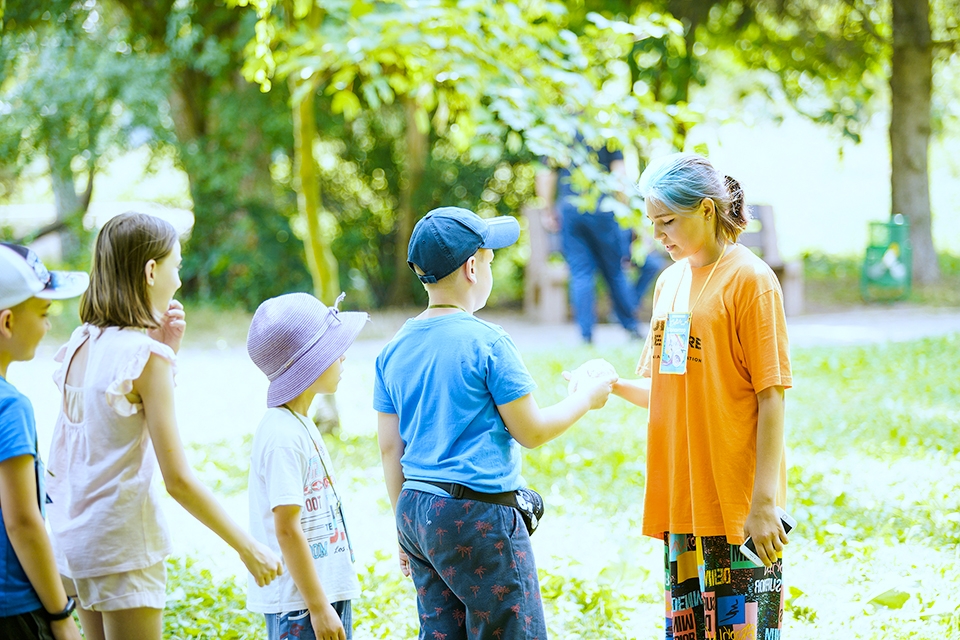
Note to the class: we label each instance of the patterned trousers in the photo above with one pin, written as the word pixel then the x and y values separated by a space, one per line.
pixel 473 567
pixel 714 593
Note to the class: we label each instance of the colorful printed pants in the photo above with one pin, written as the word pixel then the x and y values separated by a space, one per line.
pixel 714 593
pixel 473 568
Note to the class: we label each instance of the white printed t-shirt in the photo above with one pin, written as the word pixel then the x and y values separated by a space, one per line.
pixel 285 469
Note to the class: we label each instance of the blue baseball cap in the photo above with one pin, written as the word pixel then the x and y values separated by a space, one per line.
pixel 445 238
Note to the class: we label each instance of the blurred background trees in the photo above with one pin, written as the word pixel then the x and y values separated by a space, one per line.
pixel 313 135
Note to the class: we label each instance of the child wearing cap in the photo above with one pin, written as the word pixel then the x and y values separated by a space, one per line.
pixel 295 502
pixel 455 405
pixel 33 602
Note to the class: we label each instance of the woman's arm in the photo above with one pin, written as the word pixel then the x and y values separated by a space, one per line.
pixel 762 523
pixel 634 391
pixel 155 388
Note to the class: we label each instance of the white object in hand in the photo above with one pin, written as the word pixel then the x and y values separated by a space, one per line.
pixel 596 368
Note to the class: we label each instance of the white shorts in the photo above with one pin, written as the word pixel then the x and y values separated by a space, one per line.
pixel 142 588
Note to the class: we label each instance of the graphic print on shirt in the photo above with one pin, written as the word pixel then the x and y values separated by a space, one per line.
pixel 321 518
pixel 695 343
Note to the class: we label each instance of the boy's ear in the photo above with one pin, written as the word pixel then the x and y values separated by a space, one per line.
pixel 470 269
pixel 6 323
pixel 149 271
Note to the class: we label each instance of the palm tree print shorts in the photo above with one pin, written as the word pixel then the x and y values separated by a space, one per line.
pixel 473 568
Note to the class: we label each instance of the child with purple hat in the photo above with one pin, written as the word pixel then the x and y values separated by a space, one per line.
pixel 295 503
pixel 455 406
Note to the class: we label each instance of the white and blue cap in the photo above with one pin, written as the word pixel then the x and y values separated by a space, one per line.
pixel 445 238
pixel 23 276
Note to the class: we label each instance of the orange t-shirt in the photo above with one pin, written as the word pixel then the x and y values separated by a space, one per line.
pixel 702 430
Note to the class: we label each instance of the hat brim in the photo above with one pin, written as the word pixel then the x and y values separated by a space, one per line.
pixel 305 371
pixel 64 284
pixel 502 232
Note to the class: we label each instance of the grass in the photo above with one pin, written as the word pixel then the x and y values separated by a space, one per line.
pixel 874 471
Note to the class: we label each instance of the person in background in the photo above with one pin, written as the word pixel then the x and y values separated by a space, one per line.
pixel 591 242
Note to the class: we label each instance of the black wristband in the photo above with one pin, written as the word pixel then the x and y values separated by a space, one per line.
pixel 62 615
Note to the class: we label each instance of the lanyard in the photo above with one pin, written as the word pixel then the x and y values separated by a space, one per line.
pixel 673 305
pixel 329 479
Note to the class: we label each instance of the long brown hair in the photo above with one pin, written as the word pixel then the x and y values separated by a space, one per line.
pixel 117 295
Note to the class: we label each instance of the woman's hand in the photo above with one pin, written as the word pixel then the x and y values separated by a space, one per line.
pixel 764 526
pixel 172 326
pixel 262 563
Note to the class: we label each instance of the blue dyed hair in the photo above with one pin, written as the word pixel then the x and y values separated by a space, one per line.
pixel 681 181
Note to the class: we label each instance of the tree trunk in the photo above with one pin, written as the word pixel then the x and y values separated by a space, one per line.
pixel 70 206
pixel 418 149
pixel 911 86
pixel 320 260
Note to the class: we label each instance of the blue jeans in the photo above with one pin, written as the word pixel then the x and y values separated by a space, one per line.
pixel 296 624
pixel 649 270
pixel 473 567
pixel 593 242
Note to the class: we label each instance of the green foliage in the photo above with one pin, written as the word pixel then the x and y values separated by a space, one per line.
pixel 202 606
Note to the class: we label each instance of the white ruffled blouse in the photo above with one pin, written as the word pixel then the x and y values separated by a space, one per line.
pixel 105 513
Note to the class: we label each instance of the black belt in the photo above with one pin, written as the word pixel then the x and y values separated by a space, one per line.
pixel 460 492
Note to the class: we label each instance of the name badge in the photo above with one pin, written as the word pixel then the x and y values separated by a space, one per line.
pixel 676 341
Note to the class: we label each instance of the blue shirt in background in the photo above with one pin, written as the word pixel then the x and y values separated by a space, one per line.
pixel 18 437
pixel 444 378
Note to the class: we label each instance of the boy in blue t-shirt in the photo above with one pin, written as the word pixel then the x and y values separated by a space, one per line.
pixel 455 404
pixel 33 603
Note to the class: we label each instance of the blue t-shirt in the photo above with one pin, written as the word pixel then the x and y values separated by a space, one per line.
pixel 444 378
pixel 18 437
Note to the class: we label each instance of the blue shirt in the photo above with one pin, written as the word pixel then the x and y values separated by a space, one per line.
pixel 444 378
pixel 18 437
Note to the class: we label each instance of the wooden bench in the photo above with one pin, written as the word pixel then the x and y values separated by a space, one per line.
pixel 761 236
pixel 544 281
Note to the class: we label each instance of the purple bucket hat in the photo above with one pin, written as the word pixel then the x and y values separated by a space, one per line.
pixel 294 338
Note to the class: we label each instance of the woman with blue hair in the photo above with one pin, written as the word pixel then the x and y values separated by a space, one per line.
pixel 713 373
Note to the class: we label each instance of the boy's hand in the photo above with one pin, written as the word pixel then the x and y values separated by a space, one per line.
pixel 404 562
pixel 65 629
pixel 172 326
pixel 597 389
pixel 326 624
pixel 597 369
pixel 262 563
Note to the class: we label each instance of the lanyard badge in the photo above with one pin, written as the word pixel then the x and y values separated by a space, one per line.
pixel 676 332
pixel 676 341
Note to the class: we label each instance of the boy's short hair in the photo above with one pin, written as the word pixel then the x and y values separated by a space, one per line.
pixel 294 338
pixel 445 238
pixel 23 276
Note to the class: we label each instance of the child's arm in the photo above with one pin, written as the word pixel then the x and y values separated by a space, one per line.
pixel 296 553
pixel 155 388
pixel 532 426
pixel 763 524
pixel 391 450
pixel 28 536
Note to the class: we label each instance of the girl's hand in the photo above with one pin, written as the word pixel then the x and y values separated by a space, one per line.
pixel 764 526
pixel 172 325
pixel 326 624
pixel 262 563
pixel 65 629
pixel 404 562
pixel 597 390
